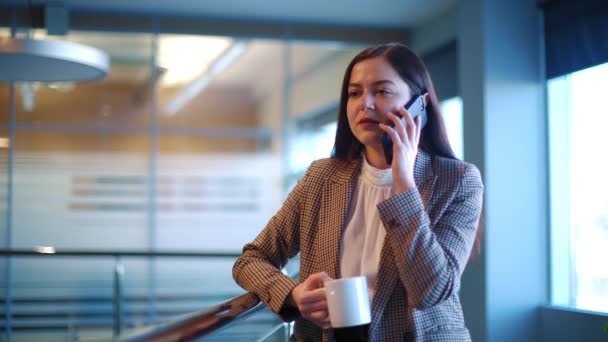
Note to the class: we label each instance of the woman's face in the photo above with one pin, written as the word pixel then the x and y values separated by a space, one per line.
pixel 374 89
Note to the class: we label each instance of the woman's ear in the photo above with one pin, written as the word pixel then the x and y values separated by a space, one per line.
pixel 426 99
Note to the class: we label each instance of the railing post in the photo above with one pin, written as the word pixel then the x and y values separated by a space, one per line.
pixel 119 272
pixel 289 330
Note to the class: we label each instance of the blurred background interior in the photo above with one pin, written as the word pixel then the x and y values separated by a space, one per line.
pixel 125 200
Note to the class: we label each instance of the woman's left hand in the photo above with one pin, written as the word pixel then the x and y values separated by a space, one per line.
pixel 405 148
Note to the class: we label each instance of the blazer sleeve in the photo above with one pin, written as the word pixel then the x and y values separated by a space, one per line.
pixel 430 262
pixel 258 269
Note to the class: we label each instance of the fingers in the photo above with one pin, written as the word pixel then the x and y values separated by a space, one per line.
pixel 315 281
pixel 320 319
pixel 317 311
pixel 392 132
pixel 313 307
pixel 412 125
pixel 418 129
pixel 408 133
pixel 313 296
pixel 311 299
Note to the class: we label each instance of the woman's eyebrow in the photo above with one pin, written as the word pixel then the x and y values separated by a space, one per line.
pixel 383 82
pixel 376 83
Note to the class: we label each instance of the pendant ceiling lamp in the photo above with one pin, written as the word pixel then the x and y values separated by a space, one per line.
pixel 29 60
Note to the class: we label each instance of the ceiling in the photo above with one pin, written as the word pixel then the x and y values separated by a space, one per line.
pixel 259 68
pixel 379 13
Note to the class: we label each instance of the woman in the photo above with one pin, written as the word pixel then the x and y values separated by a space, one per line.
pixel 409 226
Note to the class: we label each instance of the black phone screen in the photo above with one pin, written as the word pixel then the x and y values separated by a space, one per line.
pixel 416 107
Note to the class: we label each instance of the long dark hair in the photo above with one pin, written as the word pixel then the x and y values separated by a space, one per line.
pixel 411 69
pixel 434 138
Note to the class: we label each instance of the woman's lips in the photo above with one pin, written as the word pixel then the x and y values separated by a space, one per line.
pixel 368 122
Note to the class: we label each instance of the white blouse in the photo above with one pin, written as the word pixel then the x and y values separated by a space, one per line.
pixel 364 235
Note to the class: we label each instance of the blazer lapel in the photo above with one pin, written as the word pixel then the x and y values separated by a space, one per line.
pixel 335 203
pixel 424 176
pixel 388 275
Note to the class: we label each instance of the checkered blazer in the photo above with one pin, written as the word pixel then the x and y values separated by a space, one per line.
pixel 429 235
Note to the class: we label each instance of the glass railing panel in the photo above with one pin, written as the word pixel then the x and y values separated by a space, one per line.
pixel 279 333
pixel 86 295
pixel 56 298
pixel 162 289
pixel 76 297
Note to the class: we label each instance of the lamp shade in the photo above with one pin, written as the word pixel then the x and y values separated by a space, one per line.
pixel 29 60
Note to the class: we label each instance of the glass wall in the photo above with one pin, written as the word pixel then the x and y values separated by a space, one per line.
pixel 182 147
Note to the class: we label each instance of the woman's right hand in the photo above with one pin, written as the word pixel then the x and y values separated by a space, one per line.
pixel 311 300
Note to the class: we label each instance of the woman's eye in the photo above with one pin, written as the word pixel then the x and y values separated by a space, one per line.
pixel 353 93
pixel 384 92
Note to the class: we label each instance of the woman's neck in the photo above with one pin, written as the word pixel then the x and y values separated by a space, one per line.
pixel 375 157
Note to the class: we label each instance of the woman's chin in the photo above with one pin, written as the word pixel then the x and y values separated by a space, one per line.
pixel 372 144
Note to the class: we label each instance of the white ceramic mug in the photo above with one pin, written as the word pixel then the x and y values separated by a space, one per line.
pixel 348 302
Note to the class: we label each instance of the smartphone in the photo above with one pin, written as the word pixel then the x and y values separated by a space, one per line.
pixel 416 107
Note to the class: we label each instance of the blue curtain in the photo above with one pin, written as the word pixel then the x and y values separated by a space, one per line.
pixel 576 35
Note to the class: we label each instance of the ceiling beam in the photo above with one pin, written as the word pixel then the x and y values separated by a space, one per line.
pixel 87 20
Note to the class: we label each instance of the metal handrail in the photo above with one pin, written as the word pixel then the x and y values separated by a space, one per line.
pixel 113 253
pixel 201 323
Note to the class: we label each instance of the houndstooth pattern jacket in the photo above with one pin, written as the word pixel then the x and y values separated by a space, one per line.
pixel 429 235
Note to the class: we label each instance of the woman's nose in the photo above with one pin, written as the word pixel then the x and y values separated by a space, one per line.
pixel 369 103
